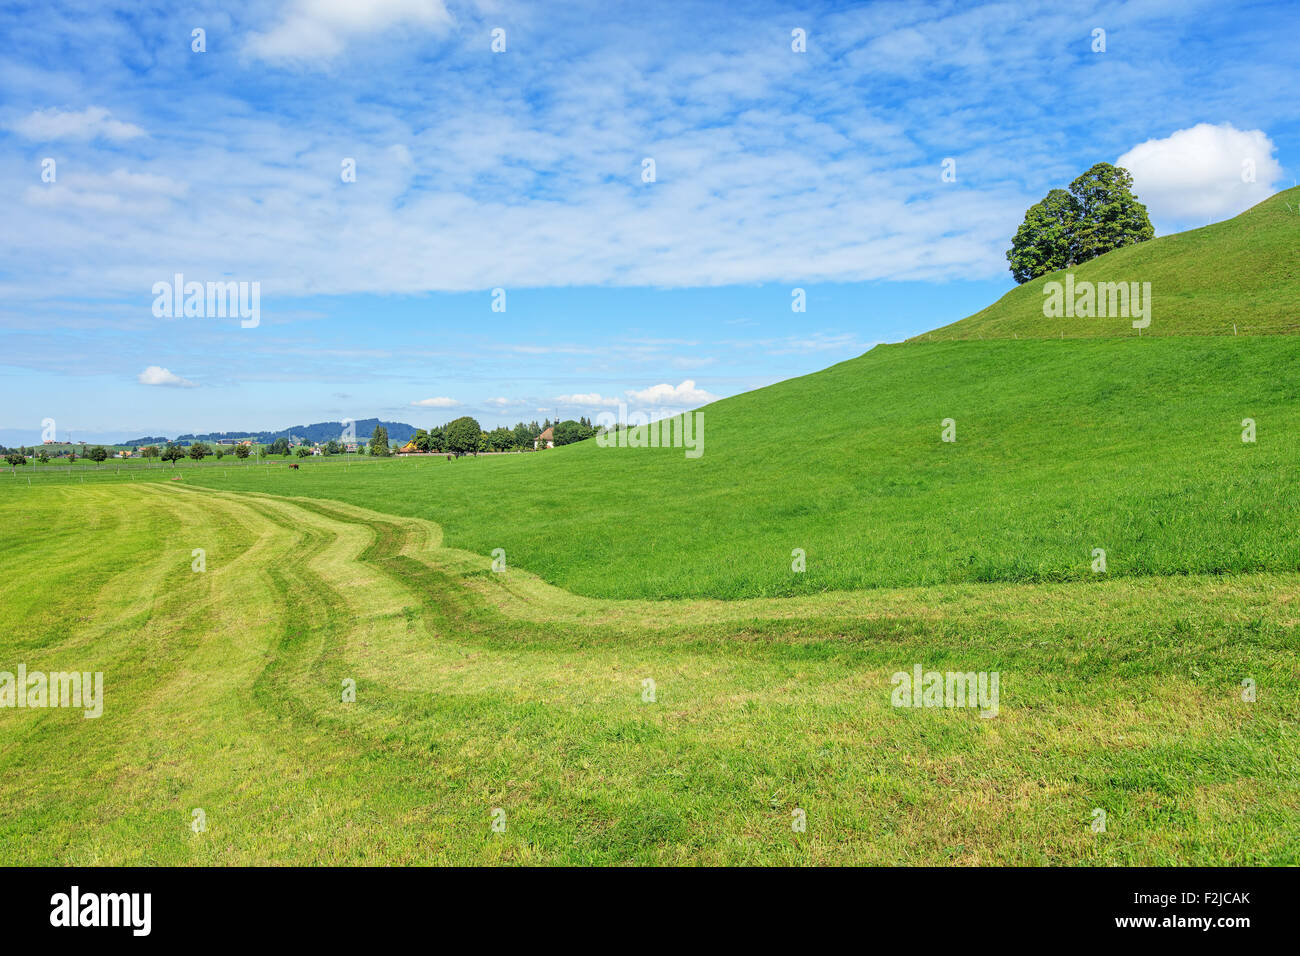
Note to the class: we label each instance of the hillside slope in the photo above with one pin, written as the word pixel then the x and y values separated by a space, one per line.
pixel 1130 445
pixel 1244 271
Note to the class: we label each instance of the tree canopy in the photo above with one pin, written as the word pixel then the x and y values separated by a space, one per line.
pixel 1098 213
pixel 566 433
pixel 462 435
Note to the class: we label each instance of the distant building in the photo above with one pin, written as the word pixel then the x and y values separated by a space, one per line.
pixel 409 448
pixel 545 440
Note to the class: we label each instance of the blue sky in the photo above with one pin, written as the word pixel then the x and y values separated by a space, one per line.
pixel 523 171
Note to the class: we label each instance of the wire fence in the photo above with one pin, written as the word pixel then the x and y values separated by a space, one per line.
pixel 129 470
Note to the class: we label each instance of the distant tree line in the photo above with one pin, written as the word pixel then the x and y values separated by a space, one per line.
pixel 464 436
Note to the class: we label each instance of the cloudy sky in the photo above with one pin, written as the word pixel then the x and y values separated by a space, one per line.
pixel 130 157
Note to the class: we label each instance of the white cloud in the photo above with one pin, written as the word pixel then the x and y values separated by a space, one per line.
pixel 587 398
pixel 441 402
pixel 117 192
pixel 658 396
pixel 769 168
pixel 90 123
pixel 321 29
pixel 673 395
pixel 157 375
pixel 1196 175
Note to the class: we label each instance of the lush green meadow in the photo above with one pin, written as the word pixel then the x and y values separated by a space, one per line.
pixel 84 465
pixel 522 693
pixel 478 691
pixel 1131 446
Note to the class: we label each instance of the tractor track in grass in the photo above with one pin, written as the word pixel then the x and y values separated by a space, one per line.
pixel 477 690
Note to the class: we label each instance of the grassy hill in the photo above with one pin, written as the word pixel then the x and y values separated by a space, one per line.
pixel 1130 445
pixel 482 693
pixel 1244 271
pixel 1126 443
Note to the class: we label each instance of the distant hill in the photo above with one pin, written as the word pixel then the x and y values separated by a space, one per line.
pixel 319 432
pixel 1243 272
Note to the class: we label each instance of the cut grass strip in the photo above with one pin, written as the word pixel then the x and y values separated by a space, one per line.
pixel 478 691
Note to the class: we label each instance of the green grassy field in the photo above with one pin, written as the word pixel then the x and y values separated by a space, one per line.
pixel 229 460
pixel 1131 446
pixel 478 691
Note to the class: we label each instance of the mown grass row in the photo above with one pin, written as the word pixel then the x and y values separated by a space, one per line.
pixel 479 691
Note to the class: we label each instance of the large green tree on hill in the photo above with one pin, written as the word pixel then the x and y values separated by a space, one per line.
pixel 1110 215
pixel 1046 241
pixel 1098 214
pixel 379 441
